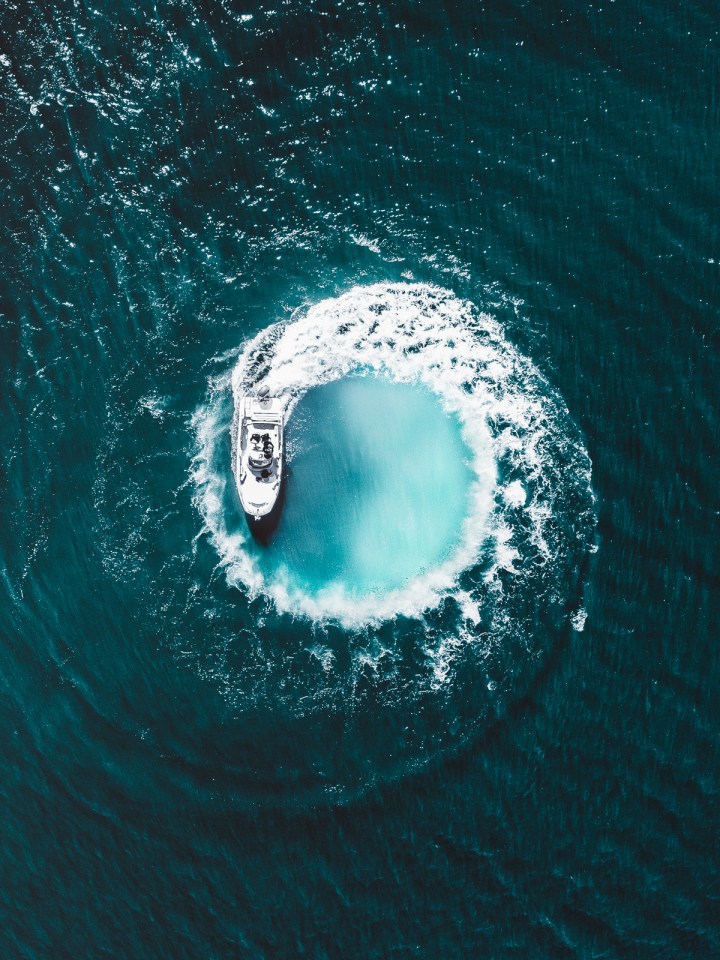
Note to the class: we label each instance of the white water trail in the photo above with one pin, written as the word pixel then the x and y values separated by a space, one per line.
pixel 525 450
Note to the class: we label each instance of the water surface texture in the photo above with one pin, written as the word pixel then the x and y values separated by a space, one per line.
pixel 489 729
pixel 379 490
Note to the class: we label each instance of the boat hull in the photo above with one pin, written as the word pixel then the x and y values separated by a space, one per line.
pixel 259 461
pixel 262 528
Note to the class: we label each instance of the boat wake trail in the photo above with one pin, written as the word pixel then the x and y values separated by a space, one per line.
pixel 530 469
pixel 398 674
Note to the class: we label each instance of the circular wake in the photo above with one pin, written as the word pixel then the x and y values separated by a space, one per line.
pixel 530 501
pixel 325 684
pixel 330 688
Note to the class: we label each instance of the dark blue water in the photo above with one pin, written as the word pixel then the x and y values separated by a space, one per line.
pixel 499 739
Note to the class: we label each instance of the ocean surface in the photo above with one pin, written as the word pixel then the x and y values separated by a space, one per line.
pixel 465 702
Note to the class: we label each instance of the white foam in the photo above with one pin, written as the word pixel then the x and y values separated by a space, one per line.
pixel 412 333
pixel 515 494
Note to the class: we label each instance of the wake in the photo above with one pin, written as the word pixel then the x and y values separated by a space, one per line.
pixel 530 499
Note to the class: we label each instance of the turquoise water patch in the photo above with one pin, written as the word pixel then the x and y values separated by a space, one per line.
pixel 377 488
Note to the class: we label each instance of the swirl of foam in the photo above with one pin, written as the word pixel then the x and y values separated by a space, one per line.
pixel 527 457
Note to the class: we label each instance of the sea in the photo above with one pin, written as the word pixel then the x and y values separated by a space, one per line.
pixel 463 700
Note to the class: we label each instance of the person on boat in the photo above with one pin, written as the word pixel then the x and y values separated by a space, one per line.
pixel 261 451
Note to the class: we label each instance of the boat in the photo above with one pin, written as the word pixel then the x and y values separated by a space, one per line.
pixel 259 456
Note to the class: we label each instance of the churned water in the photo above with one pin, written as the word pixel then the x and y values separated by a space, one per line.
pixel 464 702
pixel 379 491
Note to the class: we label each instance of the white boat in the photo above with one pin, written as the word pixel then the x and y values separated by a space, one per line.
pixel 259 453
